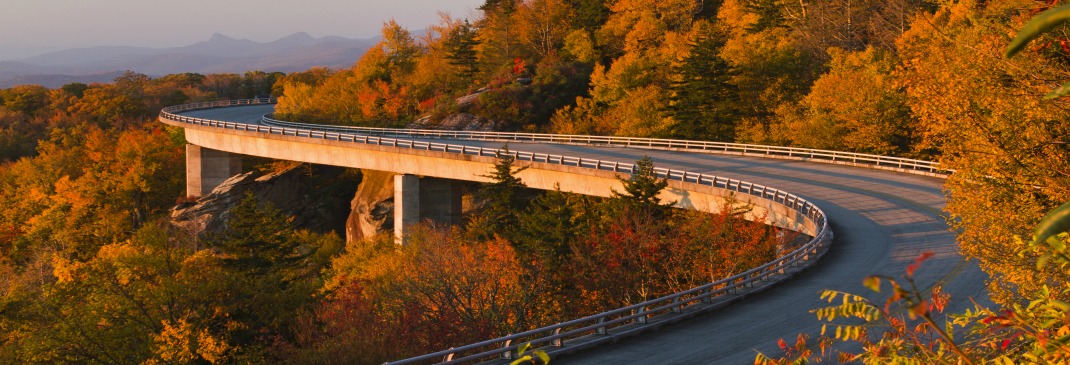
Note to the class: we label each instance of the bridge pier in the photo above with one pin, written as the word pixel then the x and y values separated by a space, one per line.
pixel 206 169
pixel 416 198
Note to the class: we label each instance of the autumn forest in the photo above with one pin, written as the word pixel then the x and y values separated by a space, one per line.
pixel 94 270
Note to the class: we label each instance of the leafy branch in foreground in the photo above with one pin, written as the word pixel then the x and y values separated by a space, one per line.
pixel 906 329
pixel 1033 331
pixel 1036 27
pixel 1050 226
pixel 536 357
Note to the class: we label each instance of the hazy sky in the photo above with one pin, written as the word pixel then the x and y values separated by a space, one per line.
pixel 30 27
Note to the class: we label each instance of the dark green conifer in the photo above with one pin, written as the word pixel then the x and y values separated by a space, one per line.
pixel 461 49
pixel 704 101
pixel 770 14
pixel 549 225
pixel 501 200
pixel 641 191
pixel 589 14
pixel 257 239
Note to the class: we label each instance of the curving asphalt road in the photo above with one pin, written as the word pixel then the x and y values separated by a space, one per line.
pixel 881 220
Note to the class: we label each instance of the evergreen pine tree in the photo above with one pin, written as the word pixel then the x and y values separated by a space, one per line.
pixel 260 250
pixel 461 49
pixel 549 225
pixel 589 14
pixel 703 102
pixel 257 239
pixel 770 14
pixel 641 191
pixel 501 201
pixel 496 34
pixel 707 9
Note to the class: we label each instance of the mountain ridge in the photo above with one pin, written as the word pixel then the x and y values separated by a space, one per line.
pixel 219 54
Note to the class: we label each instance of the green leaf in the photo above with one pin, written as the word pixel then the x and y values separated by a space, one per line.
pixel 872 282
pixel 1061 305
pixel 1040 24
pixel 1058 93
pixel 1042 261
pixel 543 356
pixel 1056 222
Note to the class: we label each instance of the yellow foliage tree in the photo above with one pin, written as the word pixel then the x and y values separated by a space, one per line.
pixel 836 116
pixel 542 24
pixel 987 117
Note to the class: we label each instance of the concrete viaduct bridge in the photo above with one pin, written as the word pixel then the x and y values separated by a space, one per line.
pixel 884 211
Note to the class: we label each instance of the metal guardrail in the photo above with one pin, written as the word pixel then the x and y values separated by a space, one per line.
pixel 900 164
pixel 170 111
pixel 598 324
pixel 907 165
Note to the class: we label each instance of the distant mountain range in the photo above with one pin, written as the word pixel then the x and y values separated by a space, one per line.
pixel 220 54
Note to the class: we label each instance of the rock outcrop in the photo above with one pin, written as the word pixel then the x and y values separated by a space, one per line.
pixel 372 208
pixel 456 122
pixel 315 196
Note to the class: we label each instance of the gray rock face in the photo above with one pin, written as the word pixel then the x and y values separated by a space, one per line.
pixel 457 122
pixel 315 196
pixel 319 198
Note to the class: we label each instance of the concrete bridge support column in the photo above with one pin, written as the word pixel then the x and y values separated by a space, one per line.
pixel 207 168
pixel 406 204
pixel 415 198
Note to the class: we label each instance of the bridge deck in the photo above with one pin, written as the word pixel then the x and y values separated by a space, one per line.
pixel 881 220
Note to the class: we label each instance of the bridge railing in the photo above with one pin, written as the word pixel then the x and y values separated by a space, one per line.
pixel 582 331
pixel 907 165
pixel 169 111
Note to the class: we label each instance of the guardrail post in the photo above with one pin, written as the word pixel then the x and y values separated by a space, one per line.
pixel 507 354
pixel 557 341
pixel 601 330
pixel 641 319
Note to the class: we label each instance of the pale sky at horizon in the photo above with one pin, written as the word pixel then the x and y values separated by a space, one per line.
pixel 31 27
